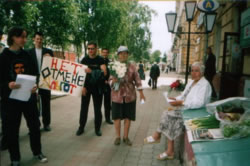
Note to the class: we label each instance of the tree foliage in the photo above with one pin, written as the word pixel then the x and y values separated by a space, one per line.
pixel 156 56
pixel 67 23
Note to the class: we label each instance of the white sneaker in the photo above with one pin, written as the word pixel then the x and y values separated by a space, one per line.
pixel 41 158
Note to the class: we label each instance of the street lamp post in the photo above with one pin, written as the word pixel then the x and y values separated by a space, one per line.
pixel 209 20
pixel 189 8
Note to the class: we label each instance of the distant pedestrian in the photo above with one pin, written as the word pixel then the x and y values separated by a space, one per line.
pixel 141 71
pixel 210 68
pixel 163 67
pixel 154 74
pixel 166 71
pixel 38 53
pixel 93 86
pixel 107 89
pixel 9 68
pixel 124 99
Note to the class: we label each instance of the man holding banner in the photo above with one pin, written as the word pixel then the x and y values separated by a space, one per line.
pixel 38 53
pixel 93 86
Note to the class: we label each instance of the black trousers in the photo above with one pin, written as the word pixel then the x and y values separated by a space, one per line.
pixel 15 109
pixel 154 83
pixel 45 97
pixel 97 100
pixel 3 123
pixel 107 102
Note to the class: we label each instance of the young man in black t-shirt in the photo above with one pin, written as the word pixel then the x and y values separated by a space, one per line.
pixel 94 84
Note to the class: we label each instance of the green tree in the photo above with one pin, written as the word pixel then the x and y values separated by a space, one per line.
pixel 138 36
pixel 75 22
pixel 156 56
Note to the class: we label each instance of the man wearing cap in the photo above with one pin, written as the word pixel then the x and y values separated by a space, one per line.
pixel 93 86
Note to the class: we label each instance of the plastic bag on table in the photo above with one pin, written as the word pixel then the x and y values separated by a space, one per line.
pixel 228 103
pixel 237 130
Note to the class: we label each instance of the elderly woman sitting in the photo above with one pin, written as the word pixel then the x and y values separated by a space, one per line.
pixel 196 95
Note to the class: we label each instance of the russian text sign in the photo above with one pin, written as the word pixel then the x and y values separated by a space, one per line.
pixel 62 75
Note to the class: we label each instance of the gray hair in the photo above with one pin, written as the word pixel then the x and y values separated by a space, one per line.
pixel 200 65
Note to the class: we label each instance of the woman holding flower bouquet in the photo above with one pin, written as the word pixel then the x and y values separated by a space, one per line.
pixel 123 80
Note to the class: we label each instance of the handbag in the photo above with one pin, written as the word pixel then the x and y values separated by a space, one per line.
pixel 149 82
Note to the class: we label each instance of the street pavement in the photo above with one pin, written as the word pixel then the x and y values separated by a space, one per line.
pixel 64 148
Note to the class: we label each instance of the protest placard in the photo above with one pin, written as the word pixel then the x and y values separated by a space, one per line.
pixel 62 75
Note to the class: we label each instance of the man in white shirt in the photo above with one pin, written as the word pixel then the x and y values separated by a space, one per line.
pixel 38 53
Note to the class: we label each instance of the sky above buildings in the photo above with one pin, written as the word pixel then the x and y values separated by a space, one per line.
pixel 161 38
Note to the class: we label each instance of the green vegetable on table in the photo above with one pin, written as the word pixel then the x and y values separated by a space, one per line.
pixel 246 122
pixel 229 131
pixel 209 122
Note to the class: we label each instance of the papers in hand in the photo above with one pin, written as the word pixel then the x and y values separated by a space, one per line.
pixel 165 94
pixel 26 82
pixel 142 101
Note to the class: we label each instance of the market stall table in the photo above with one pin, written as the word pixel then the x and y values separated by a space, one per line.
pixel 226 152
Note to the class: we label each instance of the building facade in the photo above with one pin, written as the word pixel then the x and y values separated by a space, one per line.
pixel 229 40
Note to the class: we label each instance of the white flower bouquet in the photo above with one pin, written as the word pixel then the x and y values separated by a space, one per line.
pixel 118 70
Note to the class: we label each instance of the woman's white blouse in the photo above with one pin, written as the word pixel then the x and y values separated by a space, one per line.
pixel 198 96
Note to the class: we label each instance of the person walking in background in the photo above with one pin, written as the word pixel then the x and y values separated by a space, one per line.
pixel 107 90
pixel 196 95
pixel 38 52
pixel 124 99
pixel 141 71
pixel 210 69
pixel 154 74
pixel 14 60
pixel 93 86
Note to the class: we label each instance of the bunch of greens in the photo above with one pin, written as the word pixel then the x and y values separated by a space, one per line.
pixel 209 122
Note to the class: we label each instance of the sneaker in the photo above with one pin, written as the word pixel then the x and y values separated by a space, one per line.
pixel 98 133
pixel 47 128
pixel 41 158
pixel 15 163
pixel 109 122
pixel 80 131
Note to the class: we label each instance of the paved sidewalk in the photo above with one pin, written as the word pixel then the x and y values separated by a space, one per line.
pixel 64 148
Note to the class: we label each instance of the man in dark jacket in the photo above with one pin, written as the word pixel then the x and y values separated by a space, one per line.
pixel 210 68
pixel 107 91
pixel 154 74
pixel 38 53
